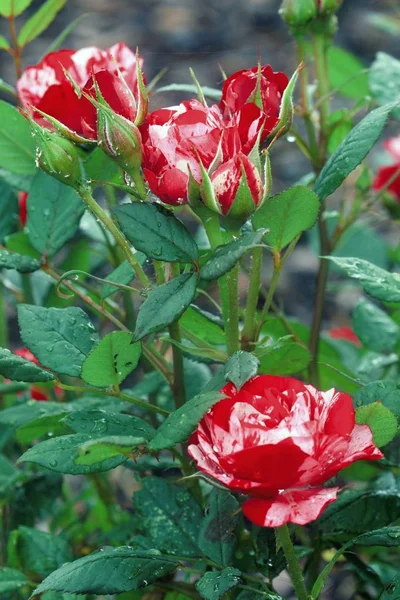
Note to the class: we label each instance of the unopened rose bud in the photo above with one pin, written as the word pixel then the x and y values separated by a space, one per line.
pixel 298 13
pixel 120 139
pixel 329 7
pixel 58 157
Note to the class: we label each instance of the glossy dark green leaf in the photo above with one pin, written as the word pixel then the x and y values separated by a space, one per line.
pixel 59 338
pixel 39 21
pixel 100 422
pixel 110 571
pixel 381 421
pixel 182 422
pixel 18 369
pixel 392 590
pixel 204 325
pixel 17 147
pixel 122 275
pixel 376 282
pixel 352 151
pixel 111 360
pixel 282 357
pixel 42 552
pixel 165 304
pixel 11 580
pixel 386 392
pixel 215 584
pixel 156 232
pixel 225 257
pixel 8 210
pixel 217 539
pixel 240 367
pixel 170 516
pixel 54 212
pixel 23 264
pixel 286 215
pixel 375 328
pixel 384 80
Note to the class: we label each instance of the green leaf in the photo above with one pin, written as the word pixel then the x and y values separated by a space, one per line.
pixel 60 338
pixel 386 392
pixel 380 420
pixel 352 151
pixel 384 80
pixel 8 210
pixel 17 146
pixel 19 243
pixel 165 304
pixel 110 571
pixel 59 454
pixel 40 21
pixel 376 282
pixel 197 352
pixel 100 422
pixel 17 368
pixel 213 93
pixel 225 257
pixel 54 212
pixel 286 215
pixel 4 43
pixel 23 264
pixel 182 422
pixel 123 274
pixel 100 449
pixel 214 584
pixel 99 166
pixel 241 367
pixel 204 325
pixel 217 539
pixel 111 360
pixel 169 515
pixel 11 579
pixel 9 476
pixel 156 232
pixel 347 73
pixel 282 357
pixel 375 328
pixel 392 590
pixel 41 552
pixel 13 7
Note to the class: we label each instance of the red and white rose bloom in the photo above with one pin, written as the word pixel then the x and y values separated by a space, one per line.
pixel 387 174
pixel 46 86
pixel 278 440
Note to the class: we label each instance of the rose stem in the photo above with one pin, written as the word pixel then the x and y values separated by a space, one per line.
pixel 293 567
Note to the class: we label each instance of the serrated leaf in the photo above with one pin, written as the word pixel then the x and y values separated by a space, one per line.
pixel 59 454
pixel 384 80
pixel 286 215
pixel 41 552
pixel 169 515
pixel 100 422
pixel 376 282
pixel 375 328
pixel 13 7
pixel 23 264
pixel 241 367
pixel 225 257
pixel 17 368
pixel 17 146
pixel 54 212
pixel 110 571
pixel 156 232
pixel 182 422
pixel 11 579
pixel 111 360
pixel 380 420
pixel 215 584
pixel 352 151
pixel 40 21
pixel 165 304
pixel 386 392
pixel 282 357
pixel 60 338
pixel 217 539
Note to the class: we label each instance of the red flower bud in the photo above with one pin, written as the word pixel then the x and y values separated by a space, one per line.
pixel 344 333
pixel 22 202
pixel 278 440
pixel 120 139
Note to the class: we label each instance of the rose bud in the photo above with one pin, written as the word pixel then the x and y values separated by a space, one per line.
pixel 22 203
pixel 58 157
pixel 259 85
pixel 54 91
pixel 298 13
pixel 278 440
pixel 120 139
pixel 329 7
pixel 344 333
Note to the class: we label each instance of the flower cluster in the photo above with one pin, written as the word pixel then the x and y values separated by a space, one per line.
pixel 188 153
pixel 278 440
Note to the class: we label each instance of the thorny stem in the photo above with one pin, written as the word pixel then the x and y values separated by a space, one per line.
pixel 293 567
pixel 304 102
pixel 120 239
